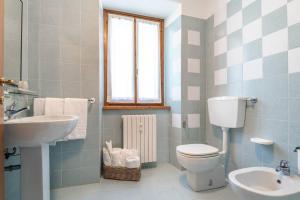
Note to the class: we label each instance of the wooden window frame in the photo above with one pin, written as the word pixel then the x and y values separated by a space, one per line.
pixel 135 105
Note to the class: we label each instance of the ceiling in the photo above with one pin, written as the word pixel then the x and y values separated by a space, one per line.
pixel 154 8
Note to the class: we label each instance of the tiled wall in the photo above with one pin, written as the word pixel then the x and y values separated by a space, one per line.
pixel 12 39
pixel 193 79
pixel 252 48
pixel 112 130
pixel 67 65
pixel 33 44
pixel 185 69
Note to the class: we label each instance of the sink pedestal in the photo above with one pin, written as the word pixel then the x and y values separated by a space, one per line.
pixel 35 178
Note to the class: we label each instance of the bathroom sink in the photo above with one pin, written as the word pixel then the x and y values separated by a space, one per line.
pixel 37 130
pixel 264 184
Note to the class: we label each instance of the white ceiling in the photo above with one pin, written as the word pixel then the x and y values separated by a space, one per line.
pixel 154 8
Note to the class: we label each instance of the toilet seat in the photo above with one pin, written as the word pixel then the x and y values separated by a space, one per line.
pixel 197 150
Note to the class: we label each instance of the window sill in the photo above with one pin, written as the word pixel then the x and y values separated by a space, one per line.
pixel 112 107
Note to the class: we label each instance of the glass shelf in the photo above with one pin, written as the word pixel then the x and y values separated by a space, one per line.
pixel 8 90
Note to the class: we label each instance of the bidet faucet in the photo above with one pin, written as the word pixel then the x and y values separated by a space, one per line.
pixel 284 168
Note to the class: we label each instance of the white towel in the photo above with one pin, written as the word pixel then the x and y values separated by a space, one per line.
pixel 123 158
pixel 109 146
pixel 106 157
pixel 119 157
pixel 54 106
pixel 39 106
pixel 132 162
pixel 79 108
pixel 116 159
pixel 131 152
pixel 116 149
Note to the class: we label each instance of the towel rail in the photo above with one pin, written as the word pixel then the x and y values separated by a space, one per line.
pixel 92 100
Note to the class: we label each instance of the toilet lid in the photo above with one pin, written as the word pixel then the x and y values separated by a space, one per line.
pixel 197 149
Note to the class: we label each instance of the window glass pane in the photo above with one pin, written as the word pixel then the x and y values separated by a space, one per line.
pixel 148 61
pixel 120 59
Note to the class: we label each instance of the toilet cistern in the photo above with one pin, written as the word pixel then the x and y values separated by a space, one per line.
pixel 218 109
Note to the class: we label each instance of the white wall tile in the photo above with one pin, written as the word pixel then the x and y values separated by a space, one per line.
pixel 275 43
pixel 252 31
pixel 220 16
pixel 235 22
pixel 235 56
pixel 268 6
pixel 294 61
pixel 293 8
pixel 220 76
pixel 193 93
pixel 253 70
pixel 194 38
pixel 176 120
pixel 220 46
pixel 176 93
pixel 246 3
pixel 193 65
pixel 193 120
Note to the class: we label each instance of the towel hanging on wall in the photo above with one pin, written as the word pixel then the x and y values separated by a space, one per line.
pixel 79 108
pixel 54 106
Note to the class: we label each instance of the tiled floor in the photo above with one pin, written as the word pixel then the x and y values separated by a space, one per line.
pixel 162 183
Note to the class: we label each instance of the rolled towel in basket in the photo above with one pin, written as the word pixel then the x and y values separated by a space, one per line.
pixel 109 146
pixel 132 162
pixel 106 157
pixel 131 152
pixel 116 159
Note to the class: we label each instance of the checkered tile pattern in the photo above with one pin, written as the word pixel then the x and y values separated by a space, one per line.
pixel 249 31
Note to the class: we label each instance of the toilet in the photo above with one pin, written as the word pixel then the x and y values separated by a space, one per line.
pixel 205 163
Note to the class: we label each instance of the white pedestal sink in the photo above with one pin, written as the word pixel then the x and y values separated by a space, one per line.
pixel 33 135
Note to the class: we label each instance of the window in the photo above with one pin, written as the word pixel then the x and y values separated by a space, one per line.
pixel 133 50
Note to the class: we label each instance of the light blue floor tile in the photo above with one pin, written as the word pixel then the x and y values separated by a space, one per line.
pixel 162 183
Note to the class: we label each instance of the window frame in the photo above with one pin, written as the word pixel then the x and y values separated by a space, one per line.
pixel 135 105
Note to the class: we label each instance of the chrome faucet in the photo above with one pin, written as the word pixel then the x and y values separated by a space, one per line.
pixel 11 111
pixel 284 168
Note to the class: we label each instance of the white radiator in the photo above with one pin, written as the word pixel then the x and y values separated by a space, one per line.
pixel 139 132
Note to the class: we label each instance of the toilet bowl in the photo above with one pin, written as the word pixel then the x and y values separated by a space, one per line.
pixel 198 157
pixel 202 162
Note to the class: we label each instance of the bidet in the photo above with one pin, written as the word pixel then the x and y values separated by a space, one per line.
pixel 262 183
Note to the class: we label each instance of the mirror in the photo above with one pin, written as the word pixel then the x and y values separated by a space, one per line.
pixel 13 28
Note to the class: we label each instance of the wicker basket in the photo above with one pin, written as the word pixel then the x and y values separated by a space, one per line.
pixel 121 173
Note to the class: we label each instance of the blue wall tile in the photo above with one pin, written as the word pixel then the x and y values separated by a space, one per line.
pixel 220 31
pixel 294 31
pixel 252 12
pixel 275 64
pixel 253 50
pixel 233 7
pixel 235 40
pixel 275 21
pixel 220 61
